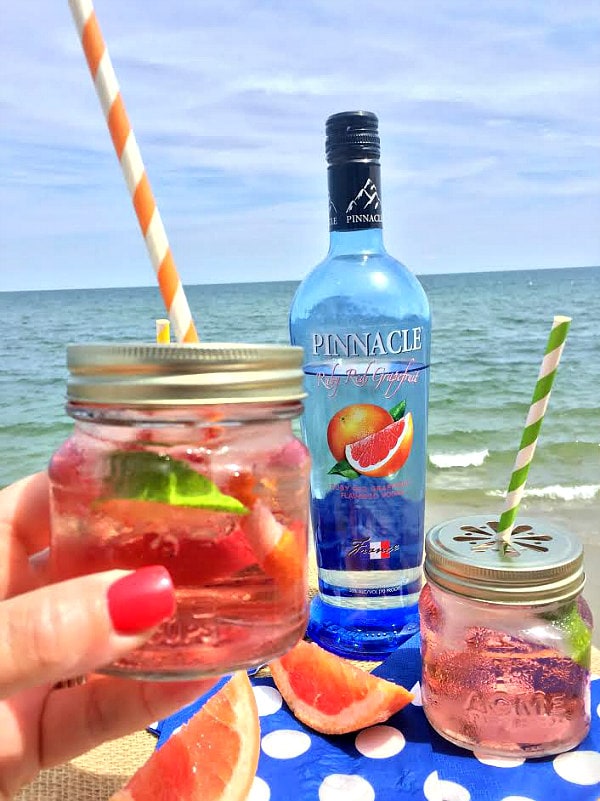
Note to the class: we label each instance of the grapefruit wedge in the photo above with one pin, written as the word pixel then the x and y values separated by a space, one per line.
pixel 281 551
pixel 330 694
pixel 384 452
pixel 143 515
pixel 212 758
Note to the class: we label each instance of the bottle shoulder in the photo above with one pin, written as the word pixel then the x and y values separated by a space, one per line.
pixel 365 282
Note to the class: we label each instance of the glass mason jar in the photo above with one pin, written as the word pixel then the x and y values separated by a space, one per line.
pixel 506 638
pixel 184 456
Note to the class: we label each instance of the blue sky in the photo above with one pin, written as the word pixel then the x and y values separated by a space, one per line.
pixel 489 118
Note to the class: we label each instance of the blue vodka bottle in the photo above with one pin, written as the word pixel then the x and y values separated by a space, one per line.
pixel 363 321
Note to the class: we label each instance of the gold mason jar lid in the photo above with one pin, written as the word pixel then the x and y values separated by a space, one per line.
pixel 541 565
pixel 136 373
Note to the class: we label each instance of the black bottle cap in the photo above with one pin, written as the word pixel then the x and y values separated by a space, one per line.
pixel 351 136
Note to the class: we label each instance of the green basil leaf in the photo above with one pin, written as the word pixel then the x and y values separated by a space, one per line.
pixel 149 476
pixel 398 411
pixel 342 468
pixel 577 633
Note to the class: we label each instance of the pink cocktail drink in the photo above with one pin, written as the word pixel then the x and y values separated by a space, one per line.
pixel 505 638
pixel 501 693
pixel 216 494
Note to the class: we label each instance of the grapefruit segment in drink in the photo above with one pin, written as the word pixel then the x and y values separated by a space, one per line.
pixel 195 545
pixel 384 452
pixel 242 486
pixel 330 694
pixel 213 757
pixel 154 515
pixel 280 550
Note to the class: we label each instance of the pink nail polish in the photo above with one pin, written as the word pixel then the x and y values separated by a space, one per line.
pixel 141 600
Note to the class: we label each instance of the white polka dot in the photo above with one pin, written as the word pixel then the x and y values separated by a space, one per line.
pixel 345 787
pixel 578 767
pixel 175 730
pixel 500 762
pixel 517 798
pixel 260 790
pixel 416 691
pixel 598 710
pixel 285 743
pixel 436 789
pixel 268 700
pixel 380 742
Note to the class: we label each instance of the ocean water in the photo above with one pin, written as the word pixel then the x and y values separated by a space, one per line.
pixel 489 335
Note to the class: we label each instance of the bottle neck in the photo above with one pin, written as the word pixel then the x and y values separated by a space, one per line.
pixel 355 220
pixel 369 240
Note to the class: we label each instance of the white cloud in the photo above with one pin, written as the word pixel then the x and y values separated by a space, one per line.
pixel 478 103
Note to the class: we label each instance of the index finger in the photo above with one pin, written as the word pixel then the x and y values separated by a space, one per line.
pixel 25 512
pixel 24 529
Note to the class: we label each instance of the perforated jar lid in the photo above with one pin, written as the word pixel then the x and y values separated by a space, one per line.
pixel 542 564
pixel 184 374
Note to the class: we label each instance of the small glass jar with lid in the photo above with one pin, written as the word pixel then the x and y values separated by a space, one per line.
pixel 506 638
pixel 185 456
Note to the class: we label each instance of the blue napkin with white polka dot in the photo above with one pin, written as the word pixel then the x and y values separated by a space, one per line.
pixel 403 759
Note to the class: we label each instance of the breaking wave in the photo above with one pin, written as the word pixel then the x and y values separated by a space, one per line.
pixel 556 492
pixel 467 459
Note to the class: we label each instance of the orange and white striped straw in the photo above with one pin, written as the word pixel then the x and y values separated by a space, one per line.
pixel 130 158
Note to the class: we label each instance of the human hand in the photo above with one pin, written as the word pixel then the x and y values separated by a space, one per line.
pixel 57 632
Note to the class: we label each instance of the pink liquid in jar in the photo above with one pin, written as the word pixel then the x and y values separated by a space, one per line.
pixel 216 492
pixel 500 678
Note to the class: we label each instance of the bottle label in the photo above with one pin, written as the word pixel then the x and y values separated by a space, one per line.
pixel 366 425
pixel 354 196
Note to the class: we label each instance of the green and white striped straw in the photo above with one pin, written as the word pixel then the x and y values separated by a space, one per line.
pixel 533 423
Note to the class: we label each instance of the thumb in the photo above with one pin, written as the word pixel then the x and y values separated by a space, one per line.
pixel 78 626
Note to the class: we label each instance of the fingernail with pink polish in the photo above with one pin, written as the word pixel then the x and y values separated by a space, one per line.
pixel 141 600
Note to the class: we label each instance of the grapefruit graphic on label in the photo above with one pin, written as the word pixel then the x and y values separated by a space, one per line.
pixel 330 694
pixel 383 452
pixel 213 757
pixel 353 423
